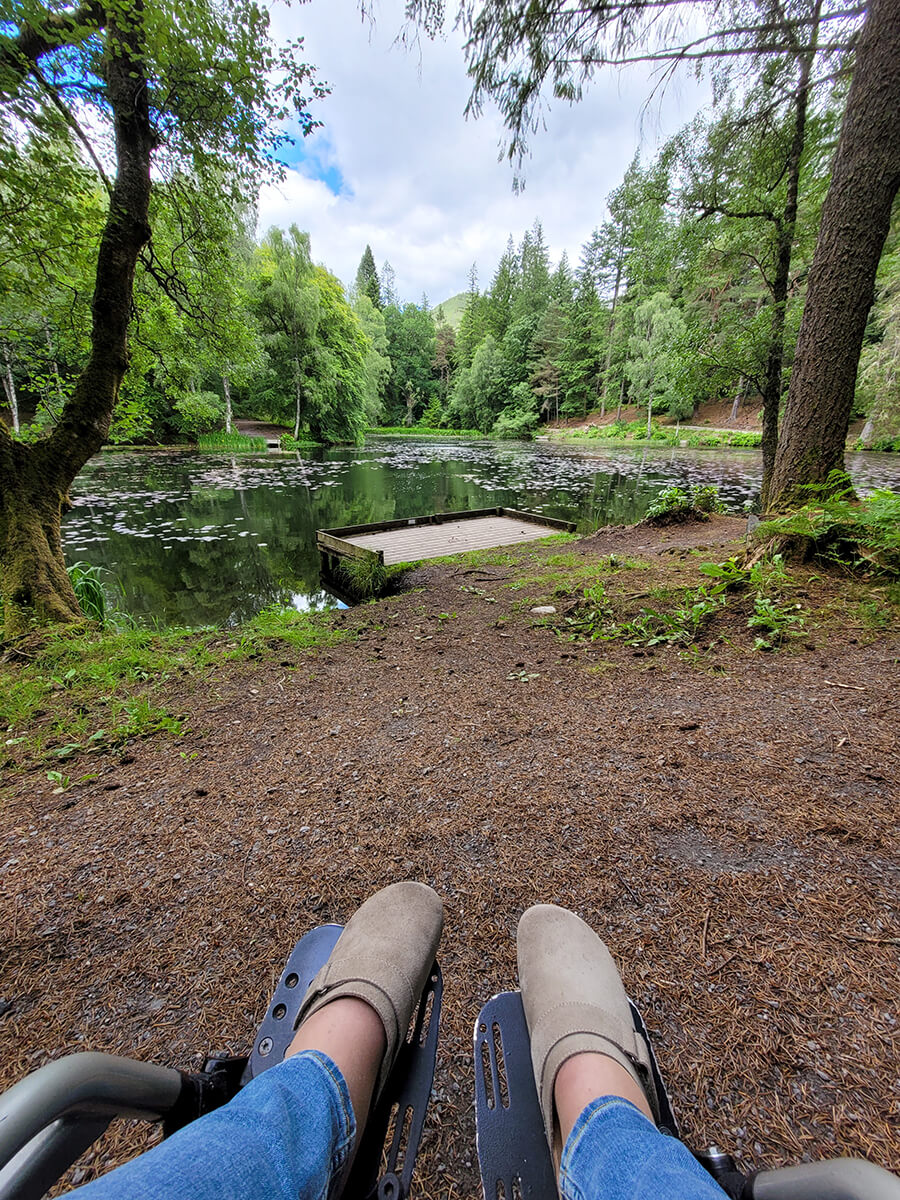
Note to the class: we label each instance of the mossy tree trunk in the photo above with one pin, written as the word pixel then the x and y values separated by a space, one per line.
pixel 855 222
pixel 33 577
pixel 35 479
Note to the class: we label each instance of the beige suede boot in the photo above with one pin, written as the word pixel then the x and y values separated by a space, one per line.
pixel 574 1001
pixel 383 956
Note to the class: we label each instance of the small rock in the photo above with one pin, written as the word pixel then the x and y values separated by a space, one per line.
pixel 543 610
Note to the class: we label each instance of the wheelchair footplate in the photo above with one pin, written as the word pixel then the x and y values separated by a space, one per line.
pixel 386 1157
pixel 513 1154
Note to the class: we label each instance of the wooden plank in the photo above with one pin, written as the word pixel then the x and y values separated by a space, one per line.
pixel 344 549
pixel 410 522
pixel 437 536
pixel 540 519
pixel 423 542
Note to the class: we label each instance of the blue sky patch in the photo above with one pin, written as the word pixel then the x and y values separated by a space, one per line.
pixel 315 158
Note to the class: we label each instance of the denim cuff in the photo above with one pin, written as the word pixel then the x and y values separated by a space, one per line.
pixel 342 1114
pixel 580 1143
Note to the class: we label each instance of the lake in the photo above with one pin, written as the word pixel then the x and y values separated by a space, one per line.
pixel 201 539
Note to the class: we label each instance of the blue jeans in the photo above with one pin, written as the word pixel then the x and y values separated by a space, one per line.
pixel 615 1153
pixel 285 1136
pixel 288 1135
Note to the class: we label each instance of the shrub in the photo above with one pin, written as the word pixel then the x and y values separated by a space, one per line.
pixel 856 533
pixel 199 412
pixel 515 424
pixel 676 504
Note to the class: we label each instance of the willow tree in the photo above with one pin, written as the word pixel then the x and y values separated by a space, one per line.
pixel 141 89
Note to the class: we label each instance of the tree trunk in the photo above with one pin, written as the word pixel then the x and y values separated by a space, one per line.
pixel 298 396
pixel 786 227
pixel 855 222
pixel 609 332
pixel 34 480
pixel 226 388
pixel 33 579
pixel 9 389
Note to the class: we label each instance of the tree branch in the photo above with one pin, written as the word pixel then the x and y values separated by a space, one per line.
pixel 69 118
pixel 709 210
pixel 19 55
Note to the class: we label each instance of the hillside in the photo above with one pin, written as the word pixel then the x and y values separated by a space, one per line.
pixel 454 309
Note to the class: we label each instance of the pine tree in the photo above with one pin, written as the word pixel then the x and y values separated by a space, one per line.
pixel 367 278
pixel 582 357
pixel 505 287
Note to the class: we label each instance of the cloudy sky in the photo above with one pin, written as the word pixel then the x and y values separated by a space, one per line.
pixel 397 165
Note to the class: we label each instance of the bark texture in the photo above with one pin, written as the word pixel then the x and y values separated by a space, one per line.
pixel 781 282
pixel 34 480
pixel 33 578
pixel 855 222
pixel 226 389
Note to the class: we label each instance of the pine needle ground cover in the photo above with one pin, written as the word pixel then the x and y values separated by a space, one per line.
pixel 724 816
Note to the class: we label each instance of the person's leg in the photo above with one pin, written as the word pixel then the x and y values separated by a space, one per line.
pixel 611 1146
pixel 285 1136
pixel 592 1070
pixel 583 1078
pixel 352 1035
pixel 291 1133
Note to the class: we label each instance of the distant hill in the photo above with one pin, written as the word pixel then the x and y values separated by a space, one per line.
pixel 454 309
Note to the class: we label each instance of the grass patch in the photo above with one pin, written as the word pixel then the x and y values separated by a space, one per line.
pixel 234 443
pixel 663 435
pixel 564 575
pixel 287 441
pixel 505 556
pixel 76 689
pixel 369 579
pixel 424 431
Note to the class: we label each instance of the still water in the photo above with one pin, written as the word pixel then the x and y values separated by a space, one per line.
pixel 200 539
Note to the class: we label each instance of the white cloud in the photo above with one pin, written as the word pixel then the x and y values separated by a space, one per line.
pixel 422 185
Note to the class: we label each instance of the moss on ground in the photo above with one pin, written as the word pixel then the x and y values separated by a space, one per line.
pixel 80 688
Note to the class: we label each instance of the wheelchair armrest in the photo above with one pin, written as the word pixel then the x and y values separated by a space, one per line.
pixel 834 1179
pixel 51 1116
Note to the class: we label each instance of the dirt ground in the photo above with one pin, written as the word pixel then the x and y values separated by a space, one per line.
pixel 713 414
pixel 730 828
pixel 716 414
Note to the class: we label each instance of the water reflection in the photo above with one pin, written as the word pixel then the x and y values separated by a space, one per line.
pixel 211 539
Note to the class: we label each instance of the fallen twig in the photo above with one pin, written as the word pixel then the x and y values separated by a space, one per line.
pixel 851 687
pixel 723 964
pixel 628 889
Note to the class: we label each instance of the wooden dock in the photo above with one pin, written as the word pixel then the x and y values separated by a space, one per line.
pixel 435 536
